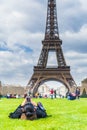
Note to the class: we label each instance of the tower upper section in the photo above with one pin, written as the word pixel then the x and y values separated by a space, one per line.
pixel 51 32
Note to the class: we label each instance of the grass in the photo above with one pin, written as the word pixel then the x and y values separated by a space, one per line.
pixel 65 115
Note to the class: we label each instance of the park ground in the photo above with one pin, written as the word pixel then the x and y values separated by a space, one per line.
pixel 63 114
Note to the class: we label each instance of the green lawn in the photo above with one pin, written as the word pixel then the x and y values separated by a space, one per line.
pixel 65 115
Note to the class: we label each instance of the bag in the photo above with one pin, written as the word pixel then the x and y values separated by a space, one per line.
pixel 17 113
pixel 40 111
pixel 39 104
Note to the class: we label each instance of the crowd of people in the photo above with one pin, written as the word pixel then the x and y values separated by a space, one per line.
pixel 70 95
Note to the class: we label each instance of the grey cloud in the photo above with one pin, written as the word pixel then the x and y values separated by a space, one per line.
pixel 71 15
pixel 75 41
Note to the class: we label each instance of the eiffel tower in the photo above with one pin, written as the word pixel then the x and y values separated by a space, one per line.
pixel 51 42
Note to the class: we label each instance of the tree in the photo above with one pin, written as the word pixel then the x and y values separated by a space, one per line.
pixel 84 95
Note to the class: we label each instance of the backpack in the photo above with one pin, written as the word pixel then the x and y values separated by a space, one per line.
pixel 17 113
pixel 40 111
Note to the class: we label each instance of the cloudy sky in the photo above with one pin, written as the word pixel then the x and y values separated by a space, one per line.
pixel 22 28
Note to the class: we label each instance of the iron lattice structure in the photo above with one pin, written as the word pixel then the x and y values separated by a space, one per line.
pixel 51 42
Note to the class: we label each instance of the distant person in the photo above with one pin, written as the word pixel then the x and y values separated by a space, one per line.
pixel 36 95
pixel 77 93
pixel 51 93
pixel 71 96
pixel 54 93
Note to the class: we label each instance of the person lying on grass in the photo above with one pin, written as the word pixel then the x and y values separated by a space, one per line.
pixel 71 96
pixel 29 110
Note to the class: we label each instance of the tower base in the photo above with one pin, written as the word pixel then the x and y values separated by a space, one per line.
pixel 41 75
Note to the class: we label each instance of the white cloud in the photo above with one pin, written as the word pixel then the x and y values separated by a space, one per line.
pixel 81 34
pixel 83 5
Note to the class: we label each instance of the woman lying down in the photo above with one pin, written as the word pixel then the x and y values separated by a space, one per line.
pixel 29 110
